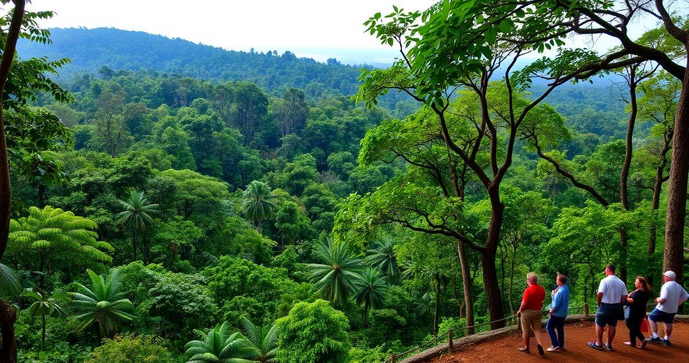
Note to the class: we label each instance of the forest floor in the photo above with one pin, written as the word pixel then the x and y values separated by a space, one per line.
pixel 504 349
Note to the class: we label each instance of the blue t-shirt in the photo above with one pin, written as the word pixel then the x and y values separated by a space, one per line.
pixel 560 303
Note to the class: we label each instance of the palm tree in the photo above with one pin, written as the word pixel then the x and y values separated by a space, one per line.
pixel 336 277
pixel 52 231
pixel 383 257
pixel 43 304
pixel 258 203
pixel 137 214
pixel 372 286
pixel 263 340
pixel 102 304
pixel 218 345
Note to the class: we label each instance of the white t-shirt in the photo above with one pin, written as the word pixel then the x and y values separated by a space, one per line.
pixel 674 294
pixel 613 289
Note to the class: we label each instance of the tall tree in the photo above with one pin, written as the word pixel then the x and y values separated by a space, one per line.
pixel 8 349
pixel 258 204
pixel 337 275
pixel 372 287
pixel 136 215
pixel 43 304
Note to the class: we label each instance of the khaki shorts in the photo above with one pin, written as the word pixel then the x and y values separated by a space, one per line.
pixel 531 320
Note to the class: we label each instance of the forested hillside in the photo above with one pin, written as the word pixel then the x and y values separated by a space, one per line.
pixel 173 202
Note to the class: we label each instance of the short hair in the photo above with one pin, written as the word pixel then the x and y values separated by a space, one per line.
pixel 532 277
pixel 611 267
pixel 562 278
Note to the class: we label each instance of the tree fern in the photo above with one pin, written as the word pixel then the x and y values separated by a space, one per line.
pixel 51 232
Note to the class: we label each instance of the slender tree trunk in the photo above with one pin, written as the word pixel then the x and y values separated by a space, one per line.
pixel 466 282
pixel 655 204
pixel 8 350
pixel 677 192
pixel 490 276
pixel 41 266
pixel 624 175
pixel 512 262
pixel 437 305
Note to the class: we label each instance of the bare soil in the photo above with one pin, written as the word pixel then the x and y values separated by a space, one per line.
pixel 577 335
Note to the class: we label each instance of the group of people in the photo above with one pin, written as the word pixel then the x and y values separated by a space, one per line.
pixel 611 299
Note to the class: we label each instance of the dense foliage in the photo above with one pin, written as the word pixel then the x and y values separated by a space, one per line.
pixel 182 209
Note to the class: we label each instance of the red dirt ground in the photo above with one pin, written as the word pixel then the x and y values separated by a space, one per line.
pixel 576 336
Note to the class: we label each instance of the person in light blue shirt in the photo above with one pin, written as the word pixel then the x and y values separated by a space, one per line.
pixel 558 312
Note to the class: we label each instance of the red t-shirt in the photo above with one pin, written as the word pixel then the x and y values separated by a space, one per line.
pixel 533 297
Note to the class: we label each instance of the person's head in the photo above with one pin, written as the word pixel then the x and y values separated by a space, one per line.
pixel 609 269
pixel 641 284
pixel 669 276
pixel 561 280
pixel 531 278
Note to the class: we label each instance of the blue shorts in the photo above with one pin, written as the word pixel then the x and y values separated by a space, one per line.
pixel 661 316
pixel 607 314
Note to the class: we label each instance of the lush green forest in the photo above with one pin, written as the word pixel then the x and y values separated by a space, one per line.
pixel 173 202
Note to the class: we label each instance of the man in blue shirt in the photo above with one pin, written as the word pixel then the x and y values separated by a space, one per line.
pixel 558 313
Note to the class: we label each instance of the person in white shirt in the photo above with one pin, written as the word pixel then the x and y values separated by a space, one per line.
pixel 611 293
pixel 671 296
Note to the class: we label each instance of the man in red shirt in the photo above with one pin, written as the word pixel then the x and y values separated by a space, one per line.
pixel 531 312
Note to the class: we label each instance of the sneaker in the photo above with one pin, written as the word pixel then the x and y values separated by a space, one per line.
pixel 553 349
pixel 608 347
pixel 654 340
pixel 666 343
pixel 595 346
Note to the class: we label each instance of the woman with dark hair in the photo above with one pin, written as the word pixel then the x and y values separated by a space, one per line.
pixel 637 311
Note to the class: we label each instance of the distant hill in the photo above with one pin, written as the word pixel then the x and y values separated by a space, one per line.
pixel 90 49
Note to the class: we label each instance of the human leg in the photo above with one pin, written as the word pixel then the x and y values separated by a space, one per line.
pixel 550 327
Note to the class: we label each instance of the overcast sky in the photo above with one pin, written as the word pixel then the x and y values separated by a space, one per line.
pixel 233 24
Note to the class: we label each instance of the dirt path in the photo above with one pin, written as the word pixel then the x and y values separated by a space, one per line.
pixel 576 336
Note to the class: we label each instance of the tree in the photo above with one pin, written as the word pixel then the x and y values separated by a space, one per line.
pixel 111 131
pixel 218 345
pixel 15 98
pixel 292 112
pixel 262 339
pixel 43 303
pixel 383 257
pixel 336 277
pixel 313 332
pixel 136 215
pixel 372 288
pixel 102 304
pixel 258 204
pixel 52 233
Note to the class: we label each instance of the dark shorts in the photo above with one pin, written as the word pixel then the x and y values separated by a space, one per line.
pixel 607 314
pixel 661 316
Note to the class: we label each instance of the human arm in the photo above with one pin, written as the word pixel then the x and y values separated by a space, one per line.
pixel 662 298
pixel 525 300
pixel 684 297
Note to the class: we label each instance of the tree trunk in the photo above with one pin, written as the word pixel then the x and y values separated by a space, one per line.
pixel 490 276
pixel 624 175
pixel 437 305
pixel 466 285
pixel 8 350
pixel 677 193
pixel 653 230
pixel 512 262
